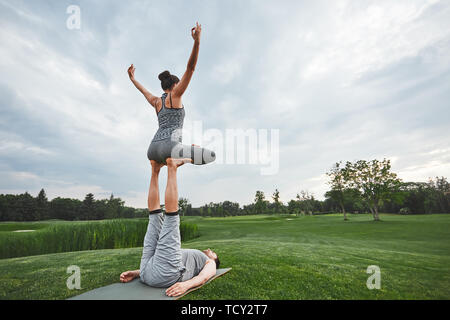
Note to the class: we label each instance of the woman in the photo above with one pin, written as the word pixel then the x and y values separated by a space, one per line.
pixel 166 147
pixel 167 141
pixel 163 262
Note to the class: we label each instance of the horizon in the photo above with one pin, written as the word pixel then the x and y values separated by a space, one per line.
pixel 267 197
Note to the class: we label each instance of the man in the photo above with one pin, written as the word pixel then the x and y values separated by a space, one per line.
pixel 164 263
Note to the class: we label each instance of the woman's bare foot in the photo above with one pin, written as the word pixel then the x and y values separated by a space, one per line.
pixel 176 162
pixel 127 276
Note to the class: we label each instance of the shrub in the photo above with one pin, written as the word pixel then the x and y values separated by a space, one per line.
pixel 405 211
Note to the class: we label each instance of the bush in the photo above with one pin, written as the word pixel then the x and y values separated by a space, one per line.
pixel 405 211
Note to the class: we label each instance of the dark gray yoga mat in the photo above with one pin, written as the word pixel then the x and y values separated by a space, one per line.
pixel 136 290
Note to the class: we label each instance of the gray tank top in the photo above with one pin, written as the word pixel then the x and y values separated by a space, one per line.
pixel 170 122
pixel 193 260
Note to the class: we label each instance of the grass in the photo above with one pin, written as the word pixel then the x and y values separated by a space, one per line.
pixel 14 226
pixel 274 257
pixel 53 237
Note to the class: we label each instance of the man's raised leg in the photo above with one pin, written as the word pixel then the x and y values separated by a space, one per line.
pixel 167 265
pixel 155 219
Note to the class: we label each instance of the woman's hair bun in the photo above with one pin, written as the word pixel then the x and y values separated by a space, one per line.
pixel 167 80
pixel 164 75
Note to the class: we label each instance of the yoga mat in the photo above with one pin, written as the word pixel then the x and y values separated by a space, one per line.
pixel 136 290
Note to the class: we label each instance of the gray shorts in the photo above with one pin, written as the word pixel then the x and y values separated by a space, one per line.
pixel 160 150
pixel 161 264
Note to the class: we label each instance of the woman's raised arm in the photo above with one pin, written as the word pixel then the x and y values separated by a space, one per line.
pixel 184 82
pixel 150 98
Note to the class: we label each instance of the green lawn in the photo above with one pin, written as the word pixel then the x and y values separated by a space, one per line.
pixel 274 257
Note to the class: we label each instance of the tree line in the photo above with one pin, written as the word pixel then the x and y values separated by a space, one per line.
pixel 25 207
pixel 359 187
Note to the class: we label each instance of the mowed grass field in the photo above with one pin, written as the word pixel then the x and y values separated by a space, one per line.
pixel 273 257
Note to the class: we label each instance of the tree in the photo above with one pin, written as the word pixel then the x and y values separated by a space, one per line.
pixel 230 208
pixel 113 207
pixel 205 210
pixel 65 209
pixel 183 204
pixel 375 181
pixel 27 207
pixel 88 207
pixel 276 200
pixel 352 201
pixel 339 183
pixel 41 205
pixel 260 202
pixel 293 207
pixel 441 188
pixel 306 201
pixel 248 209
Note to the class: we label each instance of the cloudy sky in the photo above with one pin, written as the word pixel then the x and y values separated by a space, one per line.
pixel 340 80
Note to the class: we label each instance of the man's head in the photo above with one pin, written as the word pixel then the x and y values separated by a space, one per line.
pixel 212 255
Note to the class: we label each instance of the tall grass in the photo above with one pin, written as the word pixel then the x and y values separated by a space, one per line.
pixel 188 231
pixel 76 236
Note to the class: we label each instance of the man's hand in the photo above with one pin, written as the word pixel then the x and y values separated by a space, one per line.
pixel 197 33
pixel 127 276
pixel 131 72
pixel 177 289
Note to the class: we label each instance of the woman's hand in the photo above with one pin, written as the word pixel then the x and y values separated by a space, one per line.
pixel 196 32
pixel 131 72
pixel 177 289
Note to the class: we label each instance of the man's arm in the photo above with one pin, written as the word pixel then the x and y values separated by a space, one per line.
pixel 208 271
pixel 150 98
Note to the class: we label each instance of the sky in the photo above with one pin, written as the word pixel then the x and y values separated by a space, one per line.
pixel 327 81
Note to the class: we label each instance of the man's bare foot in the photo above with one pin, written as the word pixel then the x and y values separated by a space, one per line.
pixel 127 276
pixel 176 162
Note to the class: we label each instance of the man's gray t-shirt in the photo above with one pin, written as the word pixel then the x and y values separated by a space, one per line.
pixel 193 260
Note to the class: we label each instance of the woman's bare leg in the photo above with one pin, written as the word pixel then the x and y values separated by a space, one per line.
pixel 171 197
pixel 153 190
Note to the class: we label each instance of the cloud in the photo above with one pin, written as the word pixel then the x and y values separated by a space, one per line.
pixel 342 80
pixel 226 70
